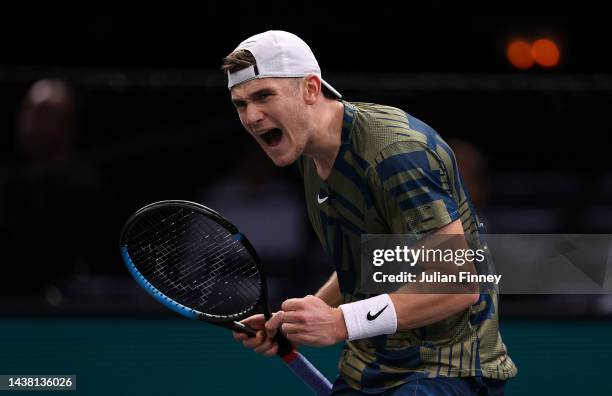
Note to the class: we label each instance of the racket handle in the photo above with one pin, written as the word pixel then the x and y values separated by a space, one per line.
pixel 242 328
pixel 300 366
pixel 308 373
pixel 285 346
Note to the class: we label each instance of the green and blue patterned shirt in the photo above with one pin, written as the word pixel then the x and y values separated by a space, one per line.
pixel 395 175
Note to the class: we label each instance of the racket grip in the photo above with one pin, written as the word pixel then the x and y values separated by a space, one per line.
pixel 241 327
pixel 285 346
pixel 300 366
pixel 308 373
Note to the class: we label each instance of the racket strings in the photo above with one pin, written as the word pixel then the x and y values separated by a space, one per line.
pixel 195 261
pixel 252 286
pixel 239 271
pixel 156 223
pixel 199 295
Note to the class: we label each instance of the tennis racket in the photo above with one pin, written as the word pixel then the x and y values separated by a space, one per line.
pixel 195 262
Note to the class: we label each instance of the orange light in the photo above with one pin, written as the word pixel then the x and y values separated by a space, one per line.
pixel 520 54
pixel 545 52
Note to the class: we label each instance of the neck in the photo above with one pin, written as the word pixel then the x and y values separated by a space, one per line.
pixel 325 144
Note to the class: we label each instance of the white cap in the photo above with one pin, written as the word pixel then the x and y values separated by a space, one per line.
pixel 277 54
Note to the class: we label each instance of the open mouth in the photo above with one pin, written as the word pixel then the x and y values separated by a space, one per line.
pixel 272 137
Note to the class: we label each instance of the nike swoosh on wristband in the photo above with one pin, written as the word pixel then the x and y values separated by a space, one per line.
pixel 321 200
pixel 372 317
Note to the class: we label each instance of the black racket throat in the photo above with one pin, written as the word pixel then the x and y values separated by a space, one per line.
pixel 285 346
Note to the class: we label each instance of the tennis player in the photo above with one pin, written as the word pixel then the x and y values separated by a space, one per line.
pixel 367 169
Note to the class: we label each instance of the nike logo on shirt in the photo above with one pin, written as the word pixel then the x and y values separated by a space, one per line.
pixel 321 200
pixel 372 317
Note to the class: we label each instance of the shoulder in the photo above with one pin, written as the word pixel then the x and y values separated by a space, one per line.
pixel 379 130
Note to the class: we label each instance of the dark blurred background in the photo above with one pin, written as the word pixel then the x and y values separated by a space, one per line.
pixel 102 113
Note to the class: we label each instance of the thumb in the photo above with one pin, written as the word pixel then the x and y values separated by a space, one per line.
pixel 274 323
pixel 257 322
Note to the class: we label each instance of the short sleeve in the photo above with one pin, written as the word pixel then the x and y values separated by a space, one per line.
pixel 410 184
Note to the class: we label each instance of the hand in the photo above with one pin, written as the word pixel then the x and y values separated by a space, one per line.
pixel 261 343
pixel 309 321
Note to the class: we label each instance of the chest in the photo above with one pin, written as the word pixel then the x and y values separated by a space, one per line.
pixel 340 210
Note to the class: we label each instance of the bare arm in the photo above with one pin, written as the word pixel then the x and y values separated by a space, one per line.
pixel 315 321
pixel 330 291
pixel 417 310
pixel 420 309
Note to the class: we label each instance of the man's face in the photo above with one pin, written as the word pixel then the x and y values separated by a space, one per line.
pixel 272 110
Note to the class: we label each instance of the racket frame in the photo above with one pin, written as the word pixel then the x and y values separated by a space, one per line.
pixel 231 321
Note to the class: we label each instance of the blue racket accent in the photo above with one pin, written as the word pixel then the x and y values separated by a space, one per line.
pixel 238 237
pixel 319 384
pixel 145 284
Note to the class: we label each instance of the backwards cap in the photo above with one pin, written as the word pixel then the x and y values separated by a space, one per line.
pixel 277 54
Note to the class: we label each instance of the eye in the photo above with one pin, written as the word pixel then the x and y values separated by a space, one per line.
pixel 263 95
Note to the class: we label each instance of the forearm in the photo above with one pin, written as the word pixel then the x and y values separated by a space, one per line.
pixel 330 291
pixel 415 305
pixel 417 310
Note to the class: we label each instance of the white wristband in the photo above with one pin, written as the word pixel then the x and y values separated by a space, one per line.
pixel 370 317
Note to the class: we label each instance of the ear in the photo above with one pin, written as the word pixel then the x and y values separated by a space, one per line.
pixel 312 88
